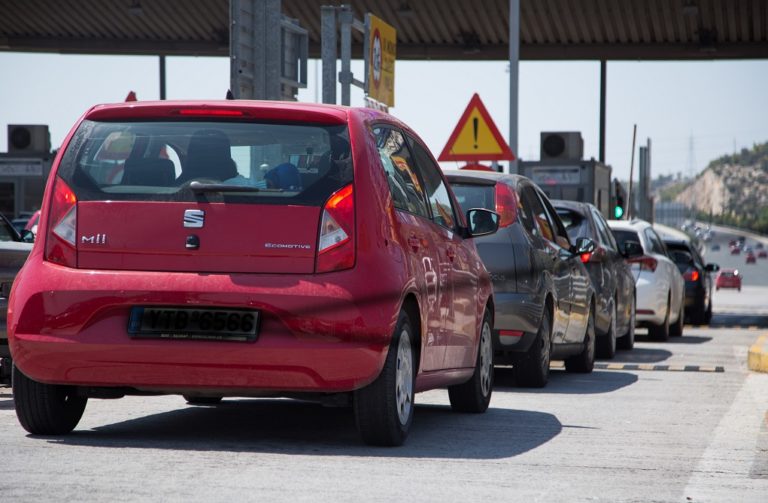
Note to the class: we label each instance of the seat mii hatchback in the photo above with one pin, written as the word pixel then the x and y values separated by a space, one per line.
pixel 242 248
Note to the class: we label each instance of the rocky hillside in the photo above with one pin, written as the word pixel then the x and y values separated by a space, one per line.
pixel 733 188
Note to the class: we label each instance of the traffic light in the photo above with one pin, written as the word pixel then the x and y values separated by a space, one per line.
pixel 618 210
pixel 619 201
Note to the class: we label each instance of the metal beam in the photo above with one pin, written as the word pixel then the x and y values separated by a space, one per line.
pixel 514 78
pixel 602 110
pixel 162 77
pixel 328 52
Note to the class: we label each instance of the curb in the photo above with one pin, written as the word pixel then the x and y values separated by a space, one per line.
pixel 757 359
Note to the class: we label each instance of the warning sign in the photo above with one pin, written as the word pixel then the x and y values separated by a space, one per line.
pixel 382 51
pixel 476 137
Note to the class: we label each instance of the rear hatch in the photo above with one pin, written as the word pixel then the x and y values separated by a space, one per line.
pixel 201 194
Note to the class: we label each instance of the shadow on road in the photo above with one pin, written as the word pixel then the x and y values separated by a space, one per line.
pixel 294 427
pixel 684 339
pixel 6 399
pixel 564 383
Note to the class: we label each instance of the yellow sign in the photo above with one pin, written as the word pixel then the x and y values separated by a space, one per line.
pixel 382 46
pixel 476 137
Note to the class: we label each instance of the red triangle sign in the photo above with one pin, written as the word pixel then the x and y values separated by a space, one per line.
pixel 476 137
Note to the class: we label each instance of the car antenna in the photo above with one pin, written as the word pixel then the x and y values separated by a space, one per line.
pixel 230 96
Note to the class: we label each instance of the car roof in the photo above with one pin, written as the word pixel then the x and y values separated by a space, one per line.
pixel 275 110
pixel 630 225
pixel 475 176
pixel 578 206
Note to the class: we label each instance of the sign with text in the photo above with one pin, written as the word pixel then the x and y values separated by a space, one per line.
pixel 21 167
pixel 382 50
pixel 476 137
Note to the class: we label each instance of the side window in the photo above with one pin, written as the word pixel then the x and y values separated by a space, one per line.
pixel 437 192
pixel 404 184
pixel 602 230
pixel 656 244
pixel 540 221
pixel 561 235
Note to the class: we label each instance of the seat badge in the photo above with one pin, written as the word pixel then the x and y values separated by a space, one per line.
pixel 194 218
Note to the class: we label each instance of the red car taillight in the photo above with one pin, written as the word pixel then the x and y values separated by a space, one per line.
pixel 593 256
pixel 336 243
pixel 646 263
pixel 61 241
pixel 691 275
pixel 506 204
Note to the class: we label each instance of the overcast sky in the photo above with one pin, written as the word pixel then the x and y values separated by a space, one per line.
pixel 719 104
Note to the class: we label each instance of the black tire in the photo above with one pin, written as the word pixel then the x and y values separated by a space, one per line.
pixel 606 343
pixel 676 329
pixel 627 341
pixel 532 367
pixel 46 409
pixel 384 408
pixel 661 332
pixel 202 400
pixel 475 395
pixel 584 362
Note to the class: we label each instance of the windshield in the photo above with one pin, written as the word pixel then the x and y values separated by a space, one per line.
pixel 165 160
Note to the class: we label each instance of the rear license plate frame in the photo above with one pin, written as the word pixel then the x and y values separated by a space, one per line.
pixel 152 322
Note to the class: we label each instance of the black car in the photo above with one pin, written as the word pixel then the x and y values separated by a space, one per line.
pixel 698 280
pixel 612 278
pixel 545 305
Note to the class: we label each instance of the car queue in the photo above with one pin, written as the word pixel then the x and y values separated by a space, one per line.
pixel 229 249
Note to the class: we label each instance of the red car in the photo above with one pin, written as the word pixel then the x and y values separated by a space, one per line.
pixel 728 278
pixel 735 250
pixel 750 258
pixel 216 249
pixel 762 254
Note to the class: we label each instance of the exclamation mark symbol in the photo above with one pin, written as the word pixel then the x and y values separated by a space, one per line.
pixel 474 126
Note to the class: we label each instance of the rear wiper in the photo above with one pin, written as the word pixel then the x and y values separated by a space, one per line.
pixel 222 187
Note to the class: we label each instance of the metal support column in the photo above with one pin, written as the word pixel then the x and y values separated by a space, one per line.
pixel 328 52
pixel 162 77
pixel 345 77
pixel 514 77
pixel 602 110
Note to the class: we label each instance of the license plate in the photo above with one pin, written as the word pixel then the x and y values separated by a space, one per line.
pixel 193 323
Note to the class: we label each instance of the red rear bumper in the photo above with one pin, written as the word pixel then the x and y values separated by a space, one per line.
pixel 68 326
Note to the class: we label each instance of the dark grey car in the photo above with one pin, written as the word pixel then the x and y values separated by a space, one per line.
pixel 612 278
pixel 13 254
pixel 545 304
pixel 697 276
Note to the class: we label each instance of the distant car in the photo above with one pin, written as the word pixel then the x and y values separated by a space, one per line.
pixel 201 275
pixel 698 279
pixel 715 247
pixel 660 288
pixel 733 242
pixel 545 303
pixel 762 254
pixel 750 258
pixel 13 253
pixel 728 278
pixel 735 250
pixel 612 277
pixel 759 245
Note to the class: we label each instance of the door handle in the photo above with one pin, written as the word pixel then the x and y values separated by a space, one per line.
pixel 451 254
pixel 414 243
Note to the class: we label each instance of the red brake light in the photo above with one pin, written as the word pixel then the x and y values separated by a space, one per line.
pixel 506 204
pixel 210 112
pixel 646 263
pixel 585 257
pixel 691 275
pixel 61 239
pixel 336 243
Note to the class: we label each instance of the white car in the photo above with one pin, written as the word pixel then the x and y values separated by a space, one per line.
pixel 660 288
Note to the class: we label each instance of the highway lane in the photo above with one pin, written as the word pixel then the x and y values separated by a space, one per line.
pixel 613 435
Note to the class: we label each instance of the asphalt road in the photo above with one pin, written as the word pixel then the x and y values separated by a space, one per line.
pixel 613 435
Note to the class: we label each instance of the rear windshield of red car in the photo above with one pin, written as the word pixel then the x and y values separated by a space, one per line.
pixel 274 163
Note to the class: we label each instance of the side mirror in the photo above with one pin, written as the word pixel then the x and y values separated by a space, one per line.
pixel 583 245
pixel 482 222
pixel 27 236
pixel 632 249
pixel 712 267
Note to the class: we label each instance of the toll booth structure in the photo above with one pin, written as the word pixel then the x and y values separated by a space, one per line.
pixel 562 173
pixel 24 169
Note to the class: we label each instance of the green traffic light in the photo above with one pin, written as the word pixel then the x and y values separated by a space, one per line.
pixel 618 212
